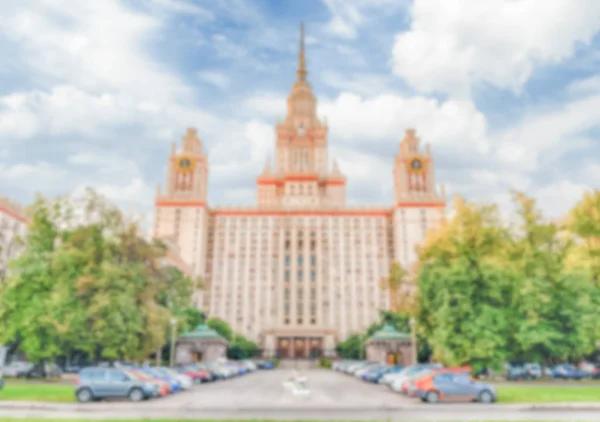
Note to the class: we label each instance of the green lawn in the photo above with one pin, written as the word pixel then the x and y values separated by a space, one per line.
pixel 38 392
pixel 548 394
pixel 506 394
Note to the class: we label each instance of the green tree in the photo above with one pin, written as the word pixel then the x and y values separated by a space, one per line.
pixel 554 309
pixel 463 288
pixel 221 327
pixel 242 348
pixel 351 348
pixel 584 222
pixel 394 283
pixel 88 282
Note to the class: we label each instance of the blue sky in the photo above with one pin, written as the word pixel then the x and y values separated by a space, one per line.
pixel 506 92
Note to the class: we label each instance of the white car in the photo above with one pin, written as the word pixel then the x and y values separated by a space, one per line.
pixel 364 369
pixel 387 379
pixel 355 367
pixel 250 365
pixel 408 373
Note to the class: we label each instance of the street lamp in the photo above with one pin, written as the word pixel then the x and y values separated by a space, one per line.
pixel 413 340
pixel 363 339
pixel 172 354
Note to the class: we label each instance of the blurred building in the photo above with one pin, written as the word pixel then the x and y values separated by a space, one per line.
pixel 301 270
pixel 13 228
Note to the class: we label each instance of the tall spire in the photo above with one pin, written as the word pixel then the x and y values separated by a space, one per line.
pixel 301 72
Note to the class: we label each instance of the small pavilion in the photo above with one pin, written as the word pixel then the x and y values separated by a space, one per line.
pixel 390 346
pixel 201 344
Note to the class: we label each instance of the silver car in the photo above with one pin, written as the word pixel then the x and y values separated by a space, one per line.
pixel 103 383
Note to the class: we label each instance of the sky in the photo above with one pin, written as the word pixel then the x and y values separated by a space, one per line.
pixel 506 92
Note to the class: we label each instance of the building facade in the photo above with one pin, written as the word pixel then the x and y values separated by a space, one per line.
pixel 13 229
pixel 301 270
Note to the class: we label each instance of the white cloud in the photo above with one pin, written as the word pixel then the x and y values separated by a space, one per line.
pixel 38 176
pixel 585 87
pixel 101 47
pixel 133 193
pixel 384 118
pixel 266 104
pixel 348 16
pixel 557 199
pixel 216 78
pixel 67 110
pixel 453 45
pixel 558 129
pixel 359 83
pixel 184 7
pixel 345 18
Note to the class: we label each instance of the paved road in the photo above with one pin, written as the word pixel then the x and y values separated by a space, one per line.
pixel 261 396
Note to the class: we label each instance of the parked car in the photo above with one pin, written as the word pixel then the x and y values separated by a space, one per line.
pixel 589 369
pixel 196 374
pixel 266 364
pixel 376 374
pixel 533 371
pixel 162 387
pixel 17 369
pixel 515 372
pixel 568 371
pixel 448 386
pixel 389 374
pixel 411 371
pixel 174 385
pixel 184 381
pixel 102 383
pixel 410 386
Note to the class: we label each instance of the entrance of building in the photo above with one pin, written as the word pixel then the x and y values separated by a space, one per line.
pixel 299 347
pixel 393 358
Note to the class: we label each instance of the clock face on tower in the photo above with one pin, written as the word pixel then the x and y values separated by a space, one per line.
pixel 416 165
pixel 185 164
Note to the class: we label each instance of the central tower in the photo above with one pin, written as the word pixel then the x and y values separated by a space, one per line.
pixel 301 178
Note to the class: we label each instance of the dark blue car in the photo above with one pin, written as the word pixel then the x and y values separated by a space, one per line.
pixel 568 372
pixel 376 372
pixel 267 364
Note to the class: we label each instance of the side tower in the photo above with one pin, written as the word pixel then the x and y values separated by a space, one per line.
pixel 180 213
pixel 418 205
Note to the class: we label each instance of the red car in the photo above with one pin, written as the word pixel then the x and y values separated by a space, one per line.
pixel 197 375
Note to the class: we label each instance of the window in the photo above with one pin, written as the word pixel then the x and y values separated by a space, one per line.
pixel 313 260
pixel 461 379
pixel 299 259
pixel 92 375
pixel 443 378
pixel 287 275
pixel 117 376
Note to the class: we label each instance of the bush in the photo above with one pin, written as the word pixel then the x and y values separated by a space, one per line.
pixel 325 363
pixel 275 363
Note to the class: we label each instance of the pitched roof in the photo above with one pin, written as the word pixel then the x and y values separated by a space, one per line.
pixel 203 331
pixel 388 332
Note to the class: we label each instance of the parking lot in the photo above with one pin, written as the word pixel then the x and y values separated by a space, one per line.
pixel 260 395
pixel 264 389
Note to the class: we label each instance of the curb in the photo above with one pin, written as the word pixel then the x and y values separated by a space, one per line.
pixel 126 407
